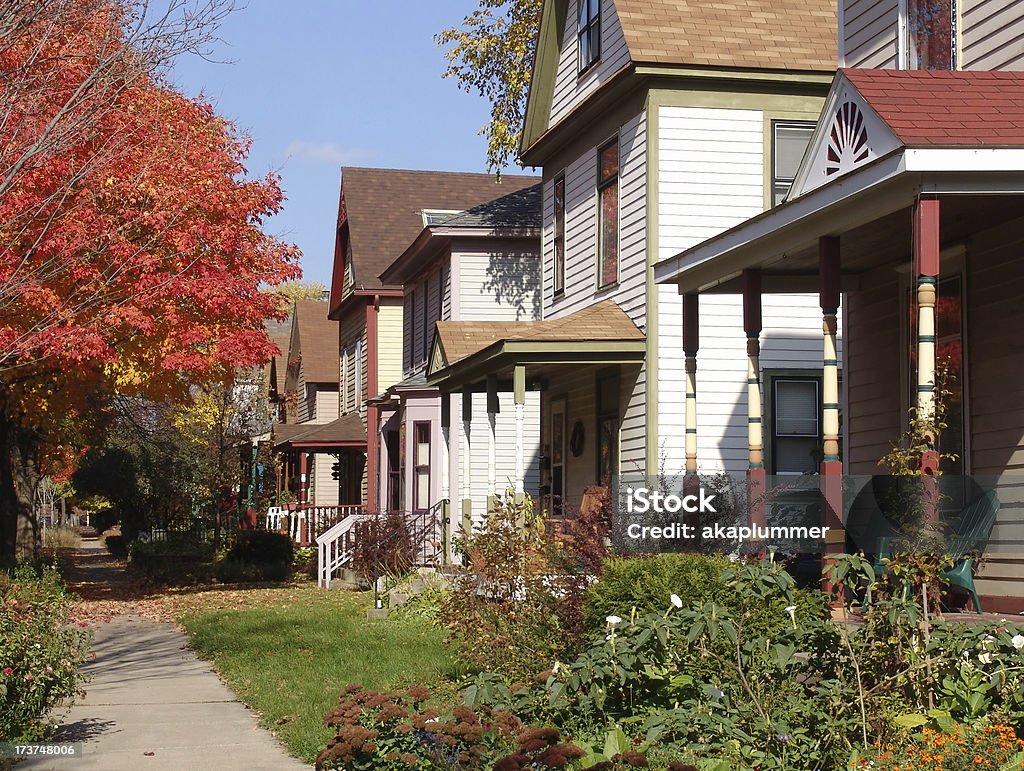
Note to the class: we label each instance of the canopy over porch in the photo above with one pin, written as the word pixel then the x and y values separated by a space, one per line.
pixel 493 357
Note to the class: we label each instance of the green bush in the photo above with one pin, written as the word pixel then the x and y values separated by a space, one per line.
pixel 261 547
pixel 174 561
pixel 646 584
pixel 117 546
pixel 231 571
pixel 257 555
pixel 40 655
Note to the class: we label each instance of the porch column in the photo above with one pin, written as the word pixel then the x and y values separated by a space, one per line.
pixel 519 395
pixel 756 482
pixel 372 468
pixel 446 432
pixel 691 341
pixel 926 272
pixel 303 496
pixel 493 409
pixel 465 466
pixel 831 465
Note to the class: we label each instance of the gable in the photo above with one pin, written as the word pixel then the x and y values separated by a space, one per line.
pixel 438 360
pixel 850 134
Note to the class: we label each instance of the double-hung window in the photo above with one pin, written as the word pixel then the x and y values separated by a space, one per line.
pixel 789 142
pixel 589 33
pixel 558 279
pixel 796 426
pixel 608 214
pixel 421 483
pixel 931 35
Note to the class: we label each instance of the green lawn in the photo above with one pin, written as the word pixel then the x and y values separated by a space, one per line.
pixel 287 653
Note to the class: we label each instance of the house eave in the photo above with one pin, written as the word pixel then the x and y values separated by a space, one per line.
pixel 507 353
pixel 881 187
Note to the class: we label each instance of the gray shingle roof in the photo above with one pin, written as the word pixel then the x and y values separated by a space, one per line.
pixel 519 209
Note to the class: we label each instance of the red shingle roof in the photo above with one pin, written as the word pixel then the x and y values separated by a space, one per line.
pixel 938 108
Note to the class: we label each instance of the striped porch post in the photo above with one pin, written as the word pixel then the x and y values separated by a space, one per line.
pixel 519 397
pixel 831 465
pixel 756 481
pixel 446 438
pixel 926 272
pixel 467 458
pixel 691 342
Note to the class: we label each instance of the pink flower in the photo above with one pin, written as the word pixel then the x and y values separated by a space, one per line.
pixel 29 678
pixel 8 671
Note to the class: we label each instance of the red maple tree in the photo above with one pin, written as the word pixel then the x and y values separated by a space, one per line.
pixel 132 253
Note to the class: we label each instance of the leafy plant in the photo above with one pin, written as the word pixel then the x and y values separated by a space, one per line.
pixel 40 654
pixel 399 731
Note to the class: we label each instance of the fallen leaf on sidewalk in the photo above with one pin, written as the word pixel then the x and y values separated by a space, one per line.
pixel 149 754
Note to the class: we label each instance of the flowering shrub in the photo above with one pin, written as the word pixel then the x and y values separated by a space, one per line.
pixel 960 748
pixel 40 656
pixel 398 731
pixel 515 607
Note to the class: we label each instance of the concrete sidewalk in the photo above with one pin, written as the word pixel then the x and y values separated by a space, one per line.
pixel 153 705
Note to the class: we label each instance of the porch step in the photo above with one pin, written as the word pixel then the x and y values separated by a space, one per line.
pixel 425 578
pixel 347 579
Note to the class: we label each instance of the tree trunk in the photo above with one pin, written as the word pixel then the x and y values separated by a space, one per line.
pixel 20 537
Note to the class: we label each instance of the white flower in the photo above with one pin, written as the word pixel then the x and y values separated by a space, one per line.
pixel 791 609
pixel 985 658
pixel 1017 641
pixel 613 620
pixel 556 667
pixel 675 600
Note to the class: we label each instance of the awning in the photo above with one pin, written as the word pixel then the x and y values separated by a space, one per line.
pixel 346 431
pixel 465 352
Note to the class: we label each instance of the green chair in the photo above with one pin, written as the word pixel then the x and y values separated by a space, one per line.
pixel 970 534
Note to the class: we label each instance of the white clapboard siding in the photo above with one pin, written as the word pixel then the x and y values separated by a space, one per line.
pixel 446 290
pixel 324 490
pixel 711 177
pixel 581 230
pixel 499 286
pixel 408 312
pixel 570 89
pixel 475 460
pixel 581 259
pixel 870 30
pixel 389 343
pixel 992 34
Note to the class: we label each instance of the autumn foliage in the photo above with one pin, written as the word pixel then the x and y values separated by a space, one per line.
pixel 131 243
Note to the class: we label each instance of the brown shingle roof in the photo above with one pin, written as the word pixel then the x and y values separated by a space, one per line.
pixel 348 429
pixel 603 322
pixel 385 208
pixel 930 107
pixel 773 34
pixel 318 342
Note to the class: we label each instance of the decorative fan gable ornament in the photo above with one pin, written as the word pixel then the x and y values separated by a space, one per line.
pixel 847 141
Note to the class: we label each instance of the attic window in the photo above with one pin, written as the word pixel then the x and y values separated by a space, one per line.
pixel 437 216
pixel 789 143
pixel 589 33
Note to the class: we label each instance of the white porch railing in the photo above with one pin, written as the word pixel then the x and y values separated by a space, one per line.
pixel 424 529
pixel 335 547
pixel 307 523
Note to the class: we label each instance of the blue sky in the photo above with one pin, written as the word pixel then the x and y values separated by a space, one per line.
pixel 319 84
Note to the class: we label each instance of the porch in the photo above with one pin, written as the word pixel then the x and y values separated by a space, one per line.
pixel 584 367
pixel 918 225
